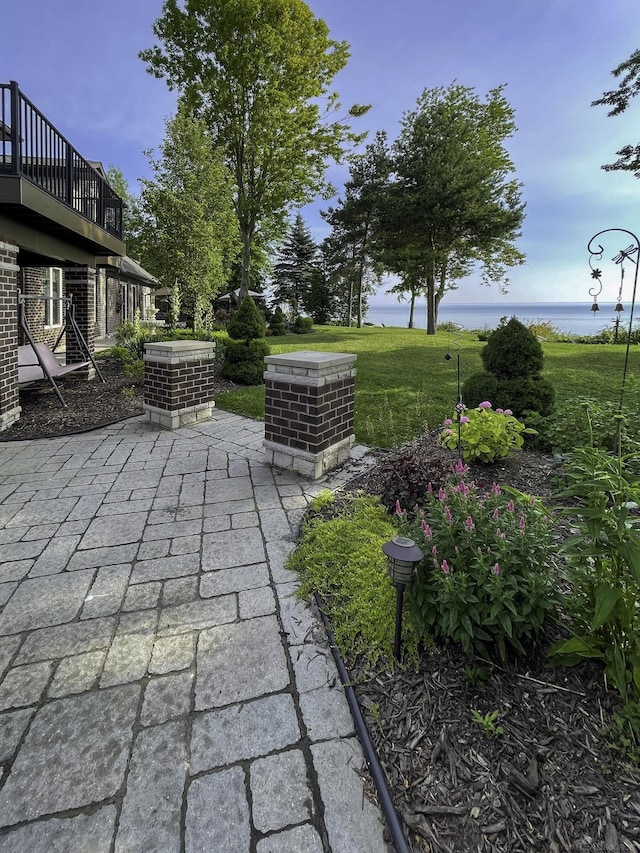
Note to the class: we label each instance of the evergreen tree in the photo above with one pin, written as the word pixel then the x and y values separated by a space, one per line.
pixel 295 268
pixel 352 221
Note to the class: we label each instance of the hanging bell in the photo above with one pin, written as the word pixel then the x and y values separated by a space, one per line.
pixel 595 307
pixel 619 307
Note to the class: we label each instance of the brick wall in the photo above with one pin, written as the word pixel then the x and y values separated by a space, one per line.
pixel 178 382
pixel 9 401
pixel 79 284
pixel 307 417
pixel 309 403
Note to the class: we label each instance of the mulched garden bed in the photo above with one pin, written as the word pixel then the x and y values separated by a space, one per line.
pixel 550 781
pixel 90 404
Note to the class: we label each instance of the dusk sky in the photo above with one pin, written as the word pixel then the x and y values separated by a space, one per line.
pixel 77 61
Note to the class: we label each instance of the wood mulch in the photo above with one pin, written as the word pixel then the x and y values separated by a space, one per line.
pixel 550 781
pixel 90 404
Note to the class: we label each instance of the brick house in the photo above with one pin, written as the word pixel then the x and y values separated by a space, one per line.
pixel 60 235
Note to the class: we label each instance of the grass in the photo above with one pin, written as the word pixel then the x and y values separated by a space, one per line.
pixel 405 385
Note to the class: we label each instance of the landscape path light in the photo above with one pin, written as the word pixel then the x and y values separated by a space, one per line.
pixel 403 555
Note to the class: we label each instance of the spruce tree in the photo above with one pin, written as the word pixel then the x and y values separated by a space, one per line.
pixel 295 268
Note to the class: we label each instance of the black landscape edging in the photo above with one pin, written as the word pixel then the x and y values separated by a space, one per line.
pixel 371 756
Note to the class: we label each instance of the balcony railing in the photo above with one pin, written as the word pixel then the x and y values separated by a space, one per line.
pixel 32 148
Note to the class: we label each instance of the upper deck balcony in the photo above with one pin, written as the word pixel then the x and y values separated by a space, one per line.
pixel 47 188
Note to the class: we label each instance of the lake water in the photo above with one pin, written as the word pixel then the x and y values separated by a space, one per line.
pixel 574 318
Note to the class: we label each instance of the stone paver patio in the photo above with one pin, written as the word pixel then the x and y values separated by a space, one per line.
pixel 160 687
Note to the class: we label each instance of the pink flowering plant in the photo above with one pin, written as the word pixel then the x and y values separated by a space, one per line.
pixel 485 434
pixel 486 579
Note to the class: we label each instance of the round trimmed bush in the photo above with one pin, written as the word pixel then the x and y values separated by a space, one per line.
pixel 244 361
pixel 513 350
pixel 526 393
pixel 478 388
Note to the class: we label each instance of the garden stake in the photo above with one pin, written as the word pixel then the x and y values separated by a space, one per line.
pixel 596 274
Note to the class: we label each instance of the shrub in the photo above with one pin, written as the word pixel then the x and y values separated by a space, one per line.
pixel 302 325
pixel 519 393
pixel 486 581
pixel 479 387
pixel 247 323
pixel 402 479
pixel 244 361
pixel 512 350
pixel 485 435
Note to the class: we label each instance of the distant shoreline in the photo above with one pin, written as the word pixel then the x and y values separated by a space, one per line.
pixel 571 318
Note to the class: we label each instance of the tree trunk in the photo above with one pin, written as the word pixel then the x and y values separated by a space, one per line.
pixel 412 306
pixel 432 308
pixel 246 261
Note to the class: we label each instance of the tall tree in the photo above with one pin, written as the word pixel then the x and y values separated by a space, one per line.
pixel 258 70
pixel 189 234
pixel 130 209
pixel 453 202
pixel 352 221
pixel 295 268
pixel 618 99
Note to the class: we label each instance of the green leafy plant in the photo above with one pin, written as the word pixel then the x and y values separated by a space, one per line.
pixel 476 677
pixel 486 581
pixel 488 722
pixel 341 558
pixel 603 556
pixel 485 435
pixel 624 730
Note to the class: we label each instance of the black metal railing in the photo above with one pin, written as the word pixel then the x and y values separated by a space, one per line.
pixel 31 147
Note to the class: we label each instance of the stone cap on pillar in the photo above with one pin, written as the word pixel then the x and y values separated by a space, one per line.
pixel 179 351
pixel 312 364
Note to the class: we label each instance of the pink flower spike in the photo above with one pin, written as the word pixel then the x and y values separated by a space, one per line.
pixel 442 495
pixel 426 529
pixel 434 550
pixel 448 422
pixel 469 523
pixel 511 506
pixel 485 405
pixel 522 522
pixel 532 501
pixel 496 569
pixel 460 467
pixel 495 489
pixel 496 514
pixel 445 567
pixel 447 513
pixel 398 508
pixel 430 487
pixel 465 420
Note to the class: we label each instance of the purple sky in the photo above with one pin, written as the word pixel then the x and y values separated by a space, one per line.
pixel 77 61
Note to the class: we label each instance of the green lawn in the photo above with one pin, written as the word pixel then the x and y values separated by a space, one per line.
pixel 405 385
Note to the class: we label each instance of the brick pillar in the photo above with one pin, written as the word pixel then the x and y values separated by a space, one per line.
pixel 178 382
pixel 79 283
pixel 32 284
pixel 308 413
pixel 9 400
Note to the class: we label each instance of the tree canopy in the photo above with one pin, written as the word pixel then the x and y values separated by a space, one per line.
pixel 452 202
pixel 189 233
pixel 618 99
pixel 296 266
pixel 258 72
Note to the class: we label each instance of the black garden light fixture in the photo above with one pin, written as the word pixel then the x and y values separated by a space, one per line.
pixel 403 555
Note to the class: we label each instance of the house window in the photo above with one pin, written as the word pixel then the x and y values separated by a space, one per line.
pixel 53 294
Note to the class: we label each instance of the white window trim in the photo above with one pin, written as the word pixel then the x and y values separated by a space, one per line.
pixel 53 308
